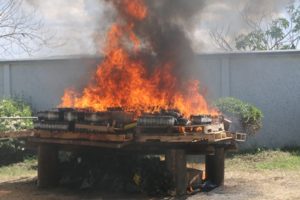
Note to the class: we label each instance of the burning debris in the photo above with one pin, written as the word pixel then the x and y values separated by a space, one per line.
pixel 143 84
pixel 132 125
pixel 145 65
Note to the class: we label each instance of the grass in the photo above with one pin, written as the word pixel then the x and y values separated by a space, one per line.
pixel 287 159
pixel 27 168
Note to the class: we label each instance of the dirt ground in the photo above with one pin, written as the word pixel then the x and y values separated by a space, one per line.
pixel 239 185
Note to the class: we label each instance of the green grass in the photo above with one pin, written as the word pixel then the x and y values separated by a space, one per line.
pixel 27 168
pixel 266 160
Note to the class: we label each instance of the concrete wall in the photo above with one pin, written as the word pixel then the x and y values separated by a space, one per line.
pixel 2 80
pixel 42 82
pixel 269 80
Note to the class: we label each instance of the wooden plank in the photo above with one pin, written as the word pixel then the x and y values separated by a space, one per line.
pixel 220 136
pixel 168 138
pixel 17 134
pixel 84 136
pixel 239 137
pixel 213 128
pixel 113 145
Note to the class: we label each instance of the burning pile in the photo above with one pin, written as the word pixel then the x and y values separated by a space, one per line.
pixel 143 82
pixel 116 120
pixel 145 67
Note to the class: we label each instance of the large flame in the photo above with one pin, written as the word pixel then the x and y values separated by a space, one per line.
pixel 124 80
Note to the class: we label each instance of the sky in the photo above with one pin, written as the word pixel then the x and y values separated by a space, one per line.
pixel 73 24
pixel 79 26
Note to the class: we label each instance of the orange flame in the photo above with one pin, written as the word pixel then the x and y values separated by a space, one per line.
pixel 124 81
pixel 135 8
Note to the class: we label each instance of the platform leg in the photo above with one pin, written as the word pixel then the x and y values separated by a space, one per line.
pixel 214 167
pixel 176 164
pixel 47 166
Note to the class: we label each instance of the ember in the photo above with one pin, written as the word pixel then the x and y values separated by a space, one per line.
pixel 127 79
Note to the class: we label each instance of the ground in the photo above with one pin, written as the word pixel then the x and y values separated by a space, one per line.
pixel 261 175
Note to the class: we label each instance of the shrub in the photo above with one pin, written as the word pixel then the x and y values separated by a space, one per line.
pixel 13 150
pixel 249 116
pixel 14 108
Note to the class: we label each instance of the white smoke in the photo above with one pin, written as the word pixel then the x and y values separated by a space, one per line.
pixel 73 23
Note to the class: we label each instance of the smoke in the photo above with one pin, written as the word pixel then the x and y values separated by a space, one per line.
pixel 164 33
pixel 72 23
pixel 176 29
pixel 83 23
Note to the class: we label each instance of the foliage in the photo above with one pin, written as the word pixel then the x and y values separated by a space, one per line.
pixel 278 34
pixel 14 108
pixel 250 116
pixel 282 33
pixel 11 151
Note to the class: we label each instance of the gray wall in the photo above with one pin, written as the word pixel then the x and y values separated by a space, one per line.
pixel 42 82
pixel 269 80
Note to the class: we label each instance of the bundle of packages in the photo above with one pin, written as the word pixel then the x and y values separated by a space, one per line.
pixel 85 120
pixel 54 120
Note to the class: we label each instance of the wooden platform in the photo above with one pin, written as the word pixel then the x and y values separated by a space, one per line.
pixel 77 143
pixel 193 137
pixel 18 134
pixel 213 144
pixel 185 138
pixel 105 137
pixel 175 148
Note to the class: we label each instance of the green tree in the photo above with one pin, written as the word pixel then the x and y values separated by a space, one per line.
pixel 278 34
pixel 250 117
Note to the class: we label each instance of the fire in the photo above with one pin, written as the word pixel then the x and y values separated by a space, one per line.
pixel 134 8
pixel 124 80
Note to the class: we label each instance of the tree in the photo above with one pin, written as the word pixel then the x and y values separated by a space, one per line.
pixel 19 30
pixel 279 34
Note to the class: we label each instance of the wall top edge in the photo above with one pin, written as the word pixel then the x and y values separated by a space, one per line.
pixel 210 54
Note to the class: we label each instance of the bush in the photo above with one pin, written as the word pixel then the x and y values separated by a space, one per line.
pixel 249 116
pixel 13 150
pixel 14 108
